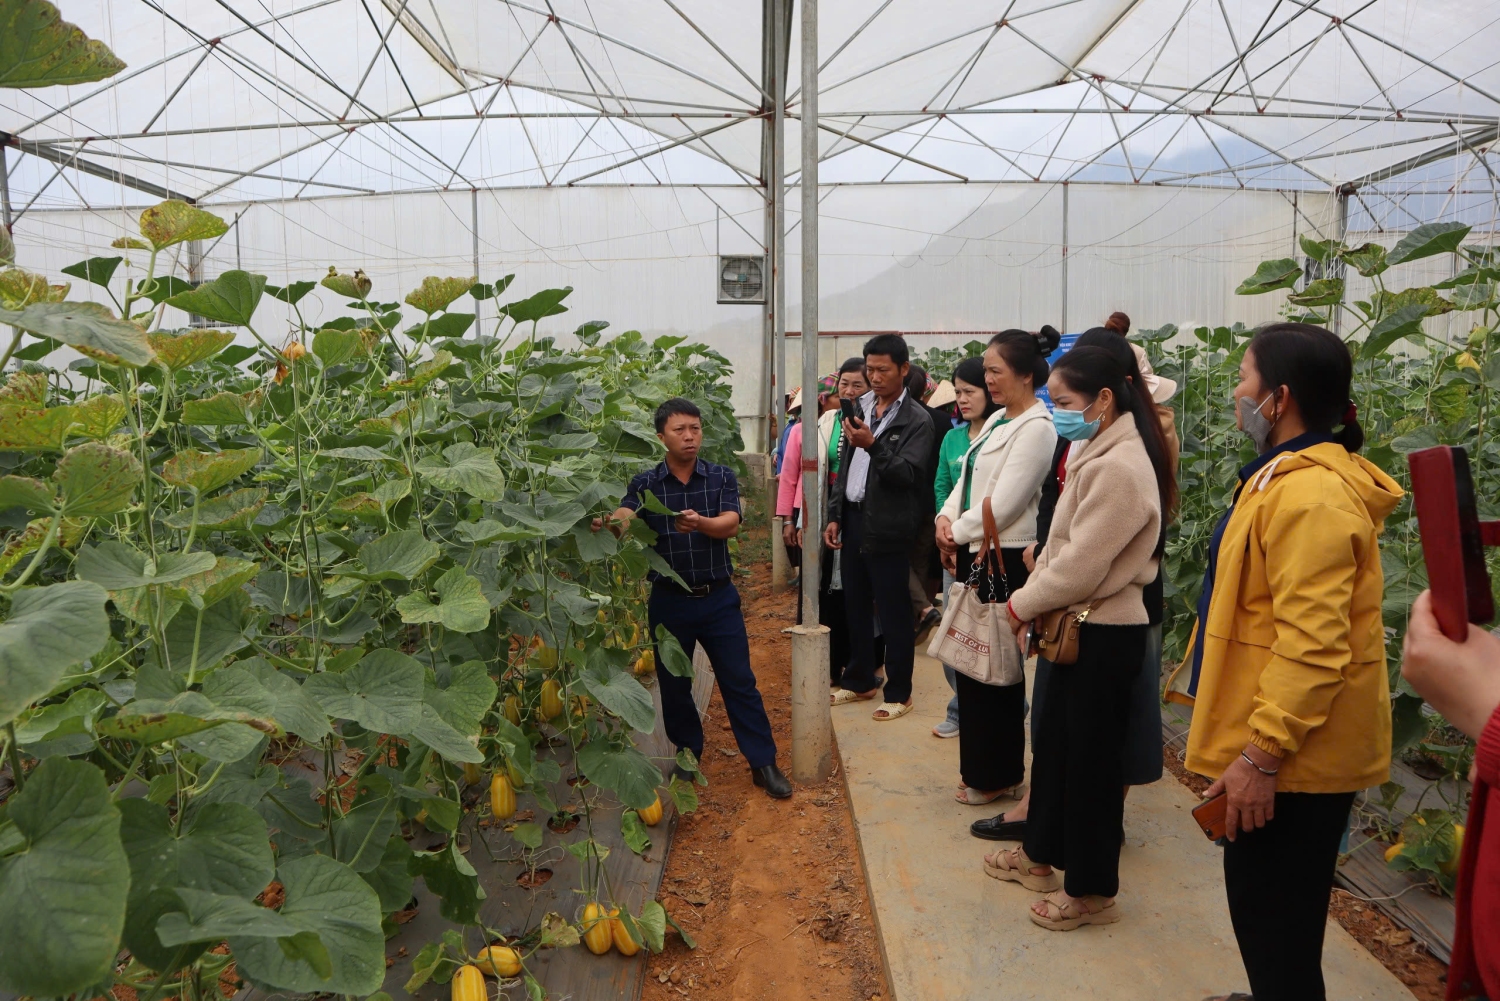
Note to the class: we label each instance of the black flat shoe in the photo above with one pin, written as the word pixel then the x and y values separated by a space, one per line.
pixel 772 781
pixel 679 772
pixel 997 828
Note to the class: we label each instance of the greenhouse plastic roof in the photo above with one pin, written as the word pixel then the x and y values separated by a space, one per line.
pixel 233 100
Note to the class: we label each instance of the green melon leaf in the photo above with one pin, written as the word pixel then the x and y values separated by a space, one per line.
pixel 96 481
pixel 383 692
pixel 224 849
pixel 231 510
pixel 461 605
pixel 27 429
pixel 465 468
pixel 208 471
pixel 222 409
pixel 177 351
pixel 329 900
pixel 95 270
pixel 116 566
pixel 23 491
pixel 1428 240
pixel 397 556
pixel 71 863
pixel 626 772
pixel 436 294
pixel 1271 275
pixel 48 631
pixel 230 298
pixel 173 221
pixel 39 49
pixel 87 326
pixel 622 695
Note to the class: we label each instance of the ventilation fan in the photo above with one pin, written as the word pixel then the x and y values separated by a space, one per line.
pixel 742 280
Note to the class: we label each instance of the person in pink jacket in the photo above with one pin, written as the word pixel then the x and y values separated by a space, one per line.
pixel 848 384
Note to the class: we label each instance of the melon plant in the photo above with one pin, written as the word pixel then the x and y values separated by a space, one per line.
pixel 272 595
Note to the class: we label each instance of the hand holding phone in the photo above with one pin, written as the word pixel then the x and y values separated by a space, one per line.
pixel 847 406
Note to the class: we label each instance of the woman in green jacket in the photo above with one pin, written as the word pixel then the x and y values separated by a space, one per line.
pixel 975 406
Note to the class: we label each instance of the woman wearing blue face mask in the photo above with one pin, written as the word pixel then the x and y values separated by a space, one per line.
pixel 1103 548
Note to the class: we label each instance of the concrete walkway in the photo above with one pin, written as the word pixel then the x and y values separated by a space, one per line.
pixel 949 931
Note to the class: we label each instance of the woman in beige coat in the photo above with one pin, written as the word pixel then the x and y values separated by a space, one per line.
pixel 1006 464
pixel 1104 546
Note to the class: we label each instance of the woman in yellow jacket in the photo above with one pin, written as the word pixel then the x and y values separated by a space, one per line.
pixel 1287 671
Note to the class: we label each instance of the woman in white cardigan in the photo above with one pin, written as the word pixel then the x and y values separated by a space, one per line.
pixel 1008 464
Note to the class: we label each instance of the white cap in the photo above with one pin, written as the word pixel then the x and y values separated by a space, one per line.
pixel 1160 387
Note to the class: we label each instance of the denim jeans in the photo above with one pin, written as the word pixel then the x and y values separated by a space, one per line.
pixel 948 672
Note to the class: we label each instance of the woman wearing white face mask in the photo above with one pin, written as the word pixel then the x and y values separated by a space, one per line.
pixel 1287 668
pixel 1105 542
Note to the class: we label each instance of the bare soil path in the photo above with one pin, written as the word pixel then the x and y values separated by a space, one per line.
pixel 772 892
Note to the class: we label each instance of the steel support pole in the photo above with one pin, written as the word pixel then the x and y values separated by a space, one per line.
pixel 474 228
pixel 4 189
pixel 1064 327
pixel 1338 309
pixel 780 565
pixel 778 180
pixel 812 726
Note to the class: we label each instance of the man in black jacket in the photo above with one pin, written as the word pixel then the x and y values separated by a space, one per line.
pixel 877 508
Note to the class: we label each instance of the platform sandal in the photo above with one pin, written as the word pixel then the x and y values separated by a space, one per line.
pixel 1074 912
pixel 1014 866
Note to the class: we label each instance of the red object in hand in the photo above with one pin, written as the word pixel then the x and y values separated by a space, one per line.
pixel 1475 966
pixel 1453 538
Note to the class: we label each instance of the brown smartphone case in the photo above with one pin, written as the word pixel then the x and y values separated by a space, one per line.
pixel 1210 816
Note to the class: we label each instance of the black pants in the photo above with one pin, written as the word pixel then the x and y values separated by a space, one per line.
pixel 1075 821
pixel 717 622
pixel 992 734
pixel 1277 879
pixel 876 582
pixel 831 613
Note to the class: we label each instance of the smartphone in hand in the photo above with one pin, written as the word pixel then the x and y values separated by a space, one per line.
pixel 847 406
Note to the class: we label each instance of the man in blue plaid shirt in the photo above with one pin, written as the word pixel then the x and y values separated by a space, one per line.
pixel 694 542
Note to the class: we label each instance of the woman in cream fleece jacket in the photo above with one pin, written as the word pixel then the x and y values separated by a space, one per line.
pixel 1006 464
pixel 1103 548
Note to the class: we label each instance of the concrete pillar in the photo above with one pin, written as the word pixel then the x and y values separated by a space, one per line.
pixel 812 722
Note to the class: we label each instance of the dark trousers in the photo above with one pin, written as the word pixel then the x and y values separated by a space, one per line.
pixel 1076 818
pixel 716 622
pixel 1277 879
pixel 876 582
pixel 992 734
pixel 831 614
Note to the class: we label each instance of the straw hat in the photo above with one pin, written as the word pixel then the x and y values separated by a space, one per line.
pixel 1160 387
pixel 943 395
pixel 796 403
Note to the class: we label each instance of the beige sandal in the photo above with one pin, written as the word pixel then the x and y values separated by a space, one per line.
pixel 843 696
pixel 1014 866
pixel 1074 912
pixel 890 710
pixel 970 796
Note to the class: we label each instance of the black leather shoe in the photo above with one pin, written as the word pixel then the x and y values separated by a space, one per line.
pixel 679 772
pixel 772 781
pixel 997 828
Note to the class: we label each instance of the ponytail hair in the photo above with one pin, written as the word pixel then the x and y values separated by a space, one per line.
pixel 1316 368
pixel 1092 368
pixel 1026 353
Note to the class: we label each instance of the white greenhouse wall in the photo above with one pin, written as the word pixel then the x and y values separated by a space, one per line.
pixel 943 263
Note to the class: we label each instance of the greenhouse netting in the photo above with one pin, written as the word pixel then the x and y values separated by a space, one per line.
pixel 983 165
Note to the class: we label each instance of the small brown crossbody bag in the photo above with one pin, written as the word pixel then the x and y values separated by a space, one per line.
pixel 1054 635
